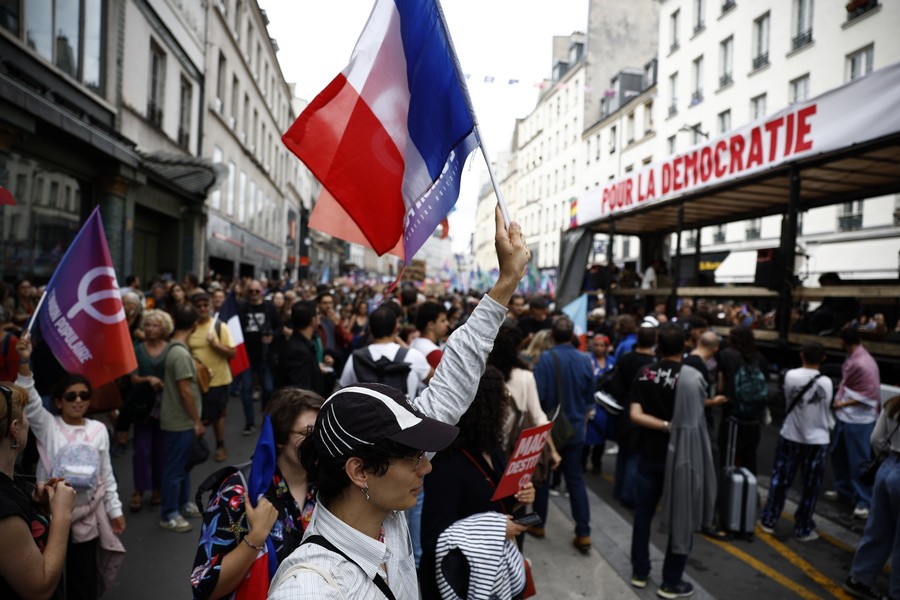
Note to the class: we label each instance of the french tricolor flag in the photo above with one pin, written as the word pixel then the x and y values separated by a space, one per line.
pixel 228 314
pixel 388 137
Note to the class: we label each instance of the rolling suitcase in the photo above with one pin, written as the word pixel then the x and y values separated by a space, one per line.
pixel 739 492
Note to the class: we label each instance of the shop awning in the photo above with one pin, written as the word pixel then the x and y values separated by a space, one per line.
pixel 193 174
pixel 738 267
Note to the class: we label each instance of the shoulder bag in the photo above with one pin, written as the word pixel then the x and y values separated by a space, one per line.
pixel 562 433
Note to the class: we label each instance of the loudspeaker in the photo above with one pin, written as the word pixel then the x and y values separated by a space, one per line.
pixel 769 265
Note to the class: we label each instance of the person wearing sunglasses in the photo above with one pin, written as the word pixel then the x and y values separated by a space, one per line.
pixel 76 449
pixel 34 522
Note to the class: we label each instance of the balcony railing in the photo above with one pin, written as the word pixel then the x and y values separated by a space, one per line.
pixel 719 237
pixel 675 46
pixel 728 5
pixel 857 8
pixel 673 109
pixel 801 39
pixel 154 113
pixel 184 138
pixel 725 79
pixel 699 27
pixel 696 97
pixel 849 222
pixel 754 233
pixel 760 60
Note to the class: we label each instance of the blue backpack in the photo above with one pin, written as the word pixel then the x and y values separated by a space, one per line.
pixel 751 392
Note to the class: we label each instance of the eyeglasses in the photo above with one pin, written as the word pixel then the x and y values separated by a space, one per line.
pixel 7 394
pixel 417 457
pixel 73 396
pixel 254 291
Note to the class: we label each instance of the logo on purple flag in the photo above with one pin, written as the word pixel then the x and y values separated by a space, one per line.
pixel 82 319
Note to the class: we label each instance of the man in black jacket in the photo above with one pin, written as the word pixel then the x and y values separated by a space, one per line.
pixel 299 366
pixel 259 320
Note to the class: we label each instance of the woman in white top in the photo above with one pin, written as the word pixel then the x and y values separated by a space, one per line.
pixel 77 449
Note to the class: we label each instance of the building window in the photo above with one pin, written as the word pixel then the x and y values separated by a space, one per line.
pixel 857 8
pixel 229 200
pixel 629 129
pixel 235 96
pixel 726 61
pixel 670 145
pixel 719 235
pixel 673 94
pixel 799 90
pixel 184 114
pixel 802 23
pixel 650 74
pixel 728 5
pixel 754 229
pixel 690 240
pixel 673 29
pixel 215 198
pixel 697 71
pixel 220 83
pixel 859 63
pixel 612 139
pixel 648 117
pixel 850 216
pixel 697 133
pixel 699 16
pixel 155 90
pixel 758 106
pixel 68 33
pixel 242 197
pixel 761 42
pixel 724 121
pixel 626 247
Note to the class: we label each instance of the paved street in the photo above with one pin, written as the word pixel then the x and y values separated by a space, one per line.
pixel 158 562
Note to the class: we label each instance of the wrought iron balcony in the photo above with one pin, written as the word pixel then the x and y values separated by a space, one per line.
pixel 725 79
pixel 760 60
pixel 801 39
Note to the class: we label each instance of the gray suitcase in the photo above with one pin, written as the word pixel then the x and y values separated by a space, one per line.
pixel 740 494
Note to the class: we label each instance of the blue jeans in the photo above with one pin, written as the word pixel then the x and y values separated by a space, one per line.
pixel 850 448
pixel 264 374
pixel 414 520
pixel 573 473
pixel 648 490
pixel 176 479
pixel 626 467
pixel 789 456
pixel 881 538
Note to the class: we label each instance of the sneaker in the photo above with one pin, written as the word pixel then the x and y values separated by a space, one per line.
pixel 554 492
pixel 861 512
pixel 248 430
pixel 221 454
pixel 190 511
pixel 638 582
pixel 831 495
pixel 612 450
pixel 177 524
pixel 765 528
pixel 809 537
pixel 859 590
pixel 682 589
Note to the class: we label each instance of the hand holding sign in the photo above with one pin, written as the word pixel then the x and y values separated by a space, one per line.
pixel 522 463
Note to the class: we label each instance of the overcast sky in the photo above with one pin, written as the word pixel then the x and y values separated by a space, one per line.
pixel 503 39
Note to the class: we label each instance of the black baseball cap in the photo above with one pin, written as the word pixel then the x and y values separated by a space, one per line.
pixel 364 414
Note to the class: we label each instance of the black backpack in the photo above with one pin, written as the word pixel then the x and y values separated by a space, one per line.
pixel 213 483
pixel 389 372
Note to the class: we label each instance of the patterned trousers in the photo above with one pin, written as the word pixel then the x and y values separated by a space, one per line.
pixel 789 456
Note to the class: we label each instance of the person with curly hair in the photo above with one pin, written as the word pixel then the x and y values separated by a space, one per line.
pixel 461 486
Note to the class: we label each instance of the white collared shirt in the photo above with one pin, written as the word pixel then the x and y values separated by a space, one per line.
pixel 353 581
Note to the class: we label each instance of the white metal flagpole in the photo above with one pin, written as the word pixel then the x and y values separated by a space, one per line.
pixel 490 168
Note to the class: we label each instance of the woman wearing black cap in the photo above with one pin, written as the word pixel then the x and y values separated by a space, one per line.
pixel 368 457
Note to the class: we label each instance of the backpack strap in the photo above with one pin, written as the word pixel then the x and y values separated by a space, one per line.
pixel 216 479
pixel 379 581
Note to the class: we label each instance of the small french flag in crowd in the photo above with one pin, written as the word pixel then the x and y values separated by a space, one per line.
pixel 228 314
pixel 389 136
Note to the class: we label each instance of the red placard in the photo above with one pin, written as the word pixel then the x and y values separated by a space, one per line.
pixel 523 461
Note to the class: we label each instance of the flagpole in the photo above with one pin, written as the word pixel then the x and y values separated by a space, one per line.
pixel 34 315
pixel 497 192
pixel 465 88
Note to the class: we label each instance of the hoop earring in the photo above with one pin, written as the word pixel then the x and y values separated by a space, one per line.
pixel 365 491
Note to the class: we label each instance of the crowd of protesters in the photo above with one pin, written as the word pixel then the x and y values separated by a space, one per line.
pixel 669 389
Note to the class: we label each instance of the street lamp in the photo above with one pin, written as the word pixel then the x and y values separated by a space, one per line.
pixel 695 129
